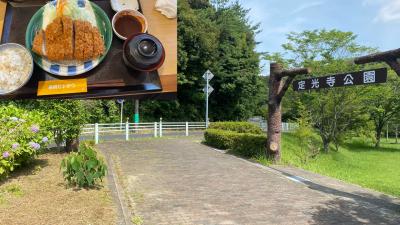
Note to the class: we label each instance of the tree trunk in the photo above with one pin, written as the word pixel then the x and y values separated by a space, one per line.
pixel 274 132
pixel 378 137
pixel 325 143
pixel 397 133
pixel 274 114
pixel 72 144
pixel 277 89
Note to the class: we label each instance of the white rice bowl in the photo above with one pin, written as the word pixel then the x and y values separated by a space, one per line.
pixel 16 66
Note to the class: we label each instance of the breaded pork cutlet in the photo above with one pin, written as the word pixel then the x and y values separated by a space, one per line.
pixel 54 36
pixel 38 43
pixel 98 44
pixel 68 37
pixel 88 41
pixel 83 40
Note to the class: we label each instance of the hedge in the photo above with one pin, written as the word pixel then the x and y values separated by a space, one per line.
pixel 221 139
pixel 243 144
pixel 240 127
pixel 249 145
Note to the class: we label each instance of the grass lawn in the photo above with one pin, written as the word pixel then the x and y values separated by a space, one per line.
pixel 38 195
pixel 355 162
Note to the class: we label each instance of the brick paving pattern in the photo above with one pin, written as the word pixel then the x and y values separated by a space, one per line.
pixel 181 181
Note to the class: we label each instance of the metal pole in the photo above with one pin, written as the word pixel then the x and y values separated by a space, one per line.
pixel 122 108
pixel 207 102
pixel 136 117
pixel 96 133
pixel 127 131
pixel 155 129
pixel 160 127
pixel 187 128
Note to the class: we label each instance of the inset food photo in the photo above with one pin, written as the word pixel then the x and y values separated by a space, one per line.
pixel 108 48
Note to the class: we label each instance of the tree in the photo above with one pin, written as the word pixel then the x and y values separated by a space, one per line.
pixel 383 104
pixel 335 111
pixel 219 37
pixel 68 118
pixel 102 111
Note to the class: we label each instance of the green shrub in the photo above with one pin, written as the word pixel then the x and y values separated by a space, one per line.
pixel 221 139
pixel 83 168
pixel 249 145
pixel 243 144
pixel 240 127
pixel 23 134
pixel 308 141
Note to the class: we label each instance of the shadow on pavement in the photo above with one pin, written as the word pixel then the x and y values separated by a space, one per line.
pixel 351 208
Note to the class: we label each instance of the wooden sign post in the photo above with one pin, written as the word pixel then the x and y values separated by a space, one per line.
pixel 389 57
pixel 279 82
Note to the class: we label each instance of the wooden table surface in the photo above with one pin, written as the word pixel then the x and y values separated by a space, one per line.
pixel 164 29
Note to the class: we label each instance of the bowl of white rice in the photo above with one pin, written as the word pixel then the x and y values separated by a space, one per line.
pixel 16 67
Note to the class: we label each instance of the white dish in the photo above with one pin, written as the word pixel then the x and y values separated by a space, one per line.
pixel 119 5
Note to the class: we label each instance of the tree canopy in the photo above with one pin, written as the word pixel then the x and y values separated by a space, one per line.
pixel 219 37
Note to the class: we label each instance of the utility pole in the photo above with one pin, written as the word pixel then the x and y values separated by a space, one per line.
pixel 277 89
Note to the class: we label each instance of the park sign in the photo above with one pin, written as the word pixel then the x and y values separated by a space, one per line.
pixel 374 76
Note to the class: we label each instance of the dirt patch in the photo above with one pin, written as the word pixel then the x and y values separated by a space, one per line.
pixel 38 195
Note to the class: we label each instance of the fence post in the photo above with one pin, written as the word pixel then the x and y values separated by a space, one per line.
pixel 187 128
pixel 160 127
pixel 155 129
pixel 96 133
pixel 127 131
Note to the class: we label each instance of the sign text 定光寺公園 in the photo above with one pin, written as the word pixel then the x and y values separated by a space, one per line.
pixel 374 76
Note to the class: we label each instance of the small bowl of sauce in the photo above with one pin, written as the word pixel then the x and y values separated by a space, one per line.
pixel 128 22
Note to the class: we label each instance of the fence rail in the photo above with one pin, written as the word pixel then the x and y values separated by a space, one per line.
pixel 130 130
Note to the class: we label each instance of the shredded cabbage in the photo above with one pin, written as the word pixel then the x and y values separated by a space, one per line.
pixel 72 10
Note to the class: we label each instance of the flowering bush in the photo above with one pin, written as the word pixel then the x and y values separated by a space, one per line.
pixel 22 134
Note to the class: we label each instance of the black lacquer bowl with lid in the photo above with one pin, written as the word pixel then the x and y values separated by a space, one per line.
pixel 143 52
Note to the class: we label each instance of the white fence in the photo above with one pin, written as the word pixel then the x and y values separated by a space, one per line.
pixel 155 129
pixel 286 127
pixel 129 130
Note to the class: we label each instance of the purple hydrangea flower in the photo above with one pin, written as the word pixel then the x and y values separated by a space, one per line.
pixel 15 145
pixel 6 154
pixel 35 128
pixel 45 139
pixel 14 118
pixel 34 145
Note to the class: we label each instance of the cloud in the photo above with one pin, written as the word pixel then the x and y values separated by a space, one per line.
pixel 292 25
pixel 389 12
pixel 306 6
pixel 371 2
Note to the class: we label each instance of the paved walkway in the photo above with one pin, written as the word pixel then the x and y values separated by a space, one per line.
pixel 181 181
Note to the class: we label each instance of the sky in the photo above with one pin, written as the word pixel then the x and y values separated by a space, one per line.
pixel 375 22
